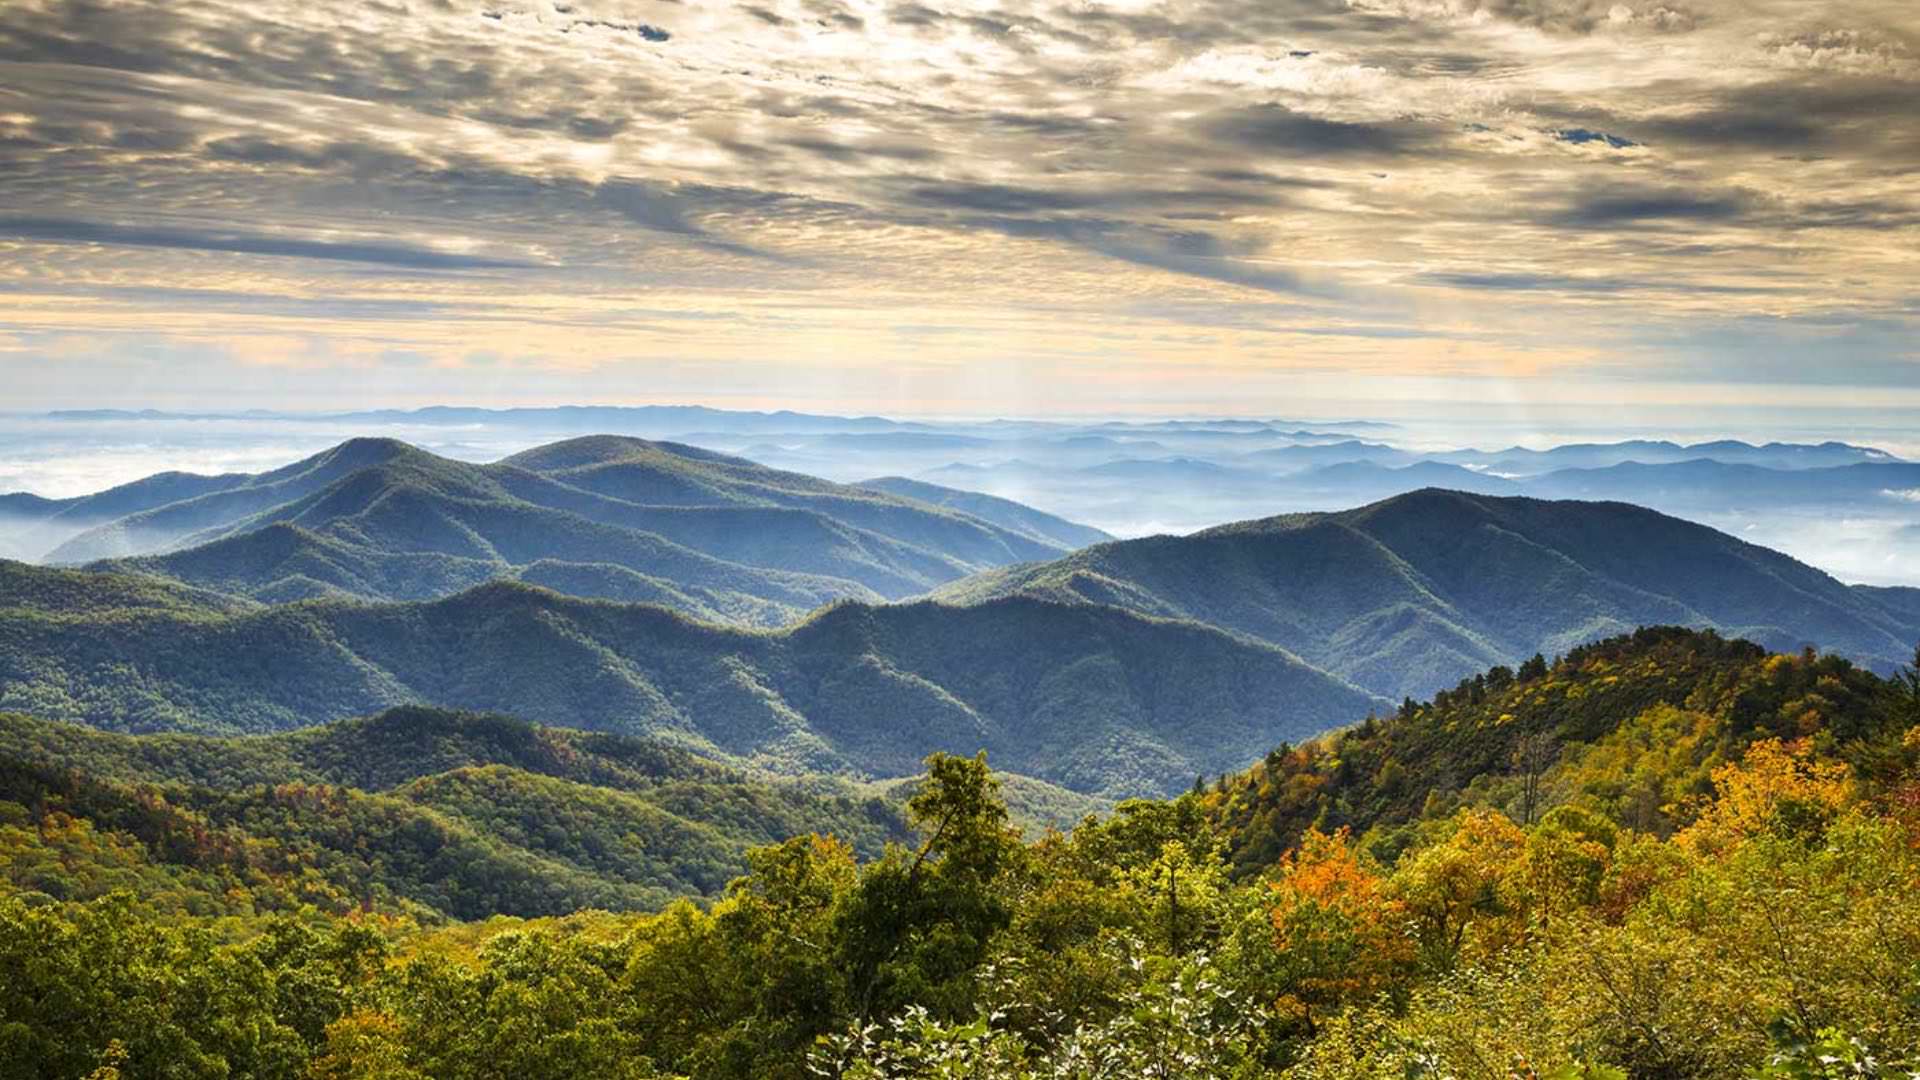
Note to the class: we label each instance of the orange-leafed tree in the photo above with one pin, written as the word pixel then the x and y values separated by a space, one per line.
pixel 1340 938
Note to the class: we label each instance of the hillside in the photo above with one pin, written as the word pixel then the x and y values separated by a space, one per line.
pixel 715 536
pixel 1018 517
pixel 1631 727
pixel 157 512
pixel 1409 594
pixel 1096 700
pixel 1666 854
pixel 435 813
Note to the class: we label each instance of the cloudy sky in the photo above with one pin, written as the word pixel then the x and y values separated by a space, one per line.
pixel 961 206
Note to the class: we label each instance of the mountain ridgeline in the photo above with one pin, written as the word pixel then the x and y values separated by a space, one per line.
pixel 715 536
pixel 1095 700
pixel 1405 596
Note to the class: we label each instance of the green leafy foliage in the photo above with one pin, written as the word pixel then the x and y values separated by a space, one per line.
pixel 1768 927
pixel 416 811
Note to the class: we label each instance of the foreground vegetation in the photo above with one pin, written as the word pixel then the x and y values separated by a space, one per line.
pixel 1664 856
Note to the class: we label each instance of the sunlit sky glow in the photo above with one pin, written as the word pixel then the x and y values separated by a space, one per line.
pixel 959 206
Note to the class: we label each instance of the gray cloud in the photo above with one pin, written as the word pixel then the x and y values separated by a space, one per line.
pixel 1521 281
pixel 1622 208
pixel 73 231
pixel 1276 130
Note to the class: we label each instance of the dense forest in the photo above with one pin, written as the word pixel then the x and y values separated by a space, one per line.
pixel 1407 595
pixel 1095 700
pixel 1661 855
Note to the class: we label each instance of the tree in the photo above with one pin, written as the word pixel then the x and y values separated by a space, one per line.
pixel 1780 788
pixel 1466 879
pixel 1338 935
pixel 1533 754
pixel 918 923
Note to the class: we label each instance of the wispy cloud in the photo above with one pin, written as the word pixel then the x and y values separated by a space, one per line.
pixel 1200 185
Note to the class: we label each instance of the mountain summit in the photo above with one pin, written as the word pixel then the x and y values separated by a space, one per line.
pixel 715 536
pixel 1406 595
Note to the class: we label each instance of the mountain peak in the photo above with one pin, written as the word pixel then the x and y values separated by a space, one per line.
pixel 589 450
pixel 1406 594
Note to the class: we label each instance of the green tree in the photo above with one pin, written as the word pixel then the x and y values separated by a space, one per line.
pixel 919 922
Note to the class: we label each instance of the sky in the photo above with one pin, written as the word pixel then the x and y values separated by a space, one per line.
pixel 1650 208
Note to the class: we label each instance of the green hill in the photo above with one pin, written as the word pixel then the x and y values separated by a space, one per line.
pixel 1407 595
pixel 148 515
pixel 1095 700
pixel 717 537
pixel 1630 727
pixel 422 810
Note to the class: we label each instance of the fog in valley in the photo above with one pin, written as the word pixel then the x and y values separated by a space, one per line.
pixel 1842 498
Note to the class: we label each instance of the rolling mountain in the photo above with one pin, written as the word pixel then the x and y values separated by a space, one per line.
pixel 1406 595
pixel 423 810
pixel 1520 461
pixel 155 510
pixel 1707 483
pixel 1092 699
pixel 1367 481
pixel 1316 455
pixel 715 536
pixel 1016 517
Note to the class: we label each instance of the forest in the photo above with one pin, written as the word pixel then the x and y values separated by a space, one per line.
pixel 1664 855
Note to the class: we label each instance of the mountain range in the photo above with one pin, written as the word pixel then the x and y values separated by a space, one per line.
pixel 1403 596
pixel 1092 699
pixel 715 536
pixel 777 621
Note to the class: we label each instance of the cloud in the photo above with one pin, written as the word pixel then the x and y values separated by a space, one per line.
pixel 73 231
pixel 1625 208
pixel 1642 171
pixel 1553 16
pixel 1277 130
pixel 1521 281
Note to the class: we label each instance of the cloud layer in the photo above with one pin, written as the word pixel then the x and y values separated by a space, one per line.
pixel 938 201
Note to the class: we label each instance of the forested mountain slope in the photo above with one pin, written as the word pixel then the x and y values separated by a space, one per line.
pixel 1756 918
pixel 1407 595
pixel 415 810
pixel 1019 517
pixel 1631 727
pixel 715 536
pixel 1097 700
